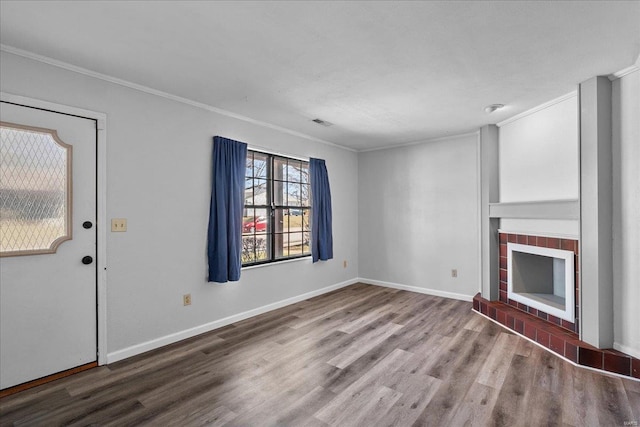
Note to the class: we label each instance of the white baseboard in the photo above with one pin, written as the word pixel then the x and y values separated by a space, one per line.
pixel 207 327
pixel 417 289
pixel 627 350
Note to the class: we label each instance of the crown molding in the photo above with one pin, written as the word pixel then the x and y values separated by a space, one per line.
pixel 423 141
pixel 141 88
pixel 540 107
pixel 620 74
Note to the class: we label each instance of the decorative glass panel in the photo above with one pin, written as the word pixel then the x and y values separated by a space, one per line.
pixel 35 190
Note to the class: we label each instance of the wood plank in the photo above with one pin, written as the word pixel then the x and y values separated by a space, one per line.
pixel 303 409
pixel 368 340
pixel 579 406
pixel 462 361
pixel 498 362
pixel 476 406
pixel 611 401
pixel 345 398
pixel 510 408
pixel 365 319
pixel 362 408
pixel 417 392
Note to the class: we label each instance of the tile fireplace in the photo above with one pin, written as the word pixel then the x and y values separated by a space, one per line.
pixel 542 278
pixel 544 275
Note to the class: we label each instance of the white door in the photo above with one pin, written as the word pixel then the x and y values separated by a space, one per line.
pixel 47 281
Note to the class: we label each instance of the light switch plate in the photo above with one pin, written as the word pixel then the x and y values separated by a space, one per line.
pixel 118 224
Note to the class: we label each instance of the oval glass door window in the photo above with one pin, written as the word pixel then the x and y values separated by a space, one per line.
pixel 35 190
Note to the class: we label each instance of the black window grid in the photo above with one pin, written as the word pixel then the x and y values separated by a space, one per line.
pixel 287 177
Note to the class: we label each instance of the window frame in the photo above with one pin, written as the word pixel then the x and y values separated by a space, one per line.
pixel 272 208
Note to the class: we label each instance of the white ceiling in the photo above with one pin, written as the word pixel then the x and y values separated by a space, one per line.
pixel 383 73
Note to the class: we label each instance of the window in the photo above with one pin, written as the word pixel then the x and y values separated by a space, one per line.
pixel 277 209
pixel 35 190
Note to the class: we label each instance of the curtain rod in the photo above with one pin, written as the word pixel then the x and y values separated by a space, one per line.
pixel 267 151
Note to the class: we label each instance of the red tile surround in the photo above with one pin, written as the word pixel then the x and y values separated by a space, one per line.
pixel 558 339
pixel 544 242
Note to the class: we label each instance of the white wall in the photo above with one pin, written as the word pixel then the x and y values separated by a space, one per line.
pixel 539 160
pixel 159 168
pixel 626 212
pixel 419 216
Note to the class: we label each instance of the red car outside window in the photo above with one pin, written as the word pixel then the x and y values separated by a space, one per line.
pixel 258 224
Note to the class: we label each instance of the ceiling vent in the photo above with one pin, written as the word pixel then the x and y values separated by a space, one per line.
pixel 322 122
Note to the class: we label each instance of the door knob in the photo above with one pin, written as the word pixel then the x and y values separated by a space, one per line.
pixel 87 260
pixel 87 224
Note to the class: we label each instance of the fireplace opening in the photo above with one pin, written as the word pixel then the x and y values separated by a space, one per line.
pixel 542 278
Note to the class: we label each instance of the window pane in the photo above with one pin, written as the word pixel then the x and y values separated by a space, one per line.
pixel 280 168
pixel 256 221
pixel 248 253
pixel 249 167
pixel 255 248
pixel 247 221
pixel 295 219
pixel 248 191
pixel 293 170
pixel 281 249
pixel 34 201
pixel 295 244
pixel 260 191
pixel 306 243
pixel 262 247
pixel 260 165
pixel 293 194
pixel 305 191
pixel 304 174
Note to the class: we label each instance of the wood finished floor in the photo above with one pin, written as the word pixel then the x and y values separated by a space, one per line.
pixel 360 356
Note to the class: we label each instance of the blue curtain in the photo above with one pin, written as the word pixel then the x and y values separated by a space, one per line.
pixel 321 235
pixel 224 246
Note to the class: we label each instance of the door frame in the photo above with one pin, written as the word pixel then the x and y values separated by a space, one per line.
pixel 101 208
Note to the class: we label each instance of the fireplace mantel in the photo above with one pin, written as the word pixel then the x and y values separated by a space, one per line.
pixel 542 209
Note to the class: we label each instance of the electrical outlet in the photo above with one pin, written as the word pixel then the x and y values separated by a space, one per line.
pixel 344 263
pixel 118 224
pixel 454 273
pixel 186 299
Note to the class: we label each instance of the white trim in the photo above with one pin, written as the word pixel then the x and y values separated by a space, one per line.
pixel 279 262
pixel 627 350
pixel 417 289
pixel 625 71
pixel 540 107
pixel 565 209
pixel 599 371
pixel 207 327
pixel 424 141
pixel 162 94
pixel 101 285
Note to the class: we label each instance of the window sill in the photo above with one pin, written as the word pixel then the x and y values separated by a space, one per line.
pixel 284 261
